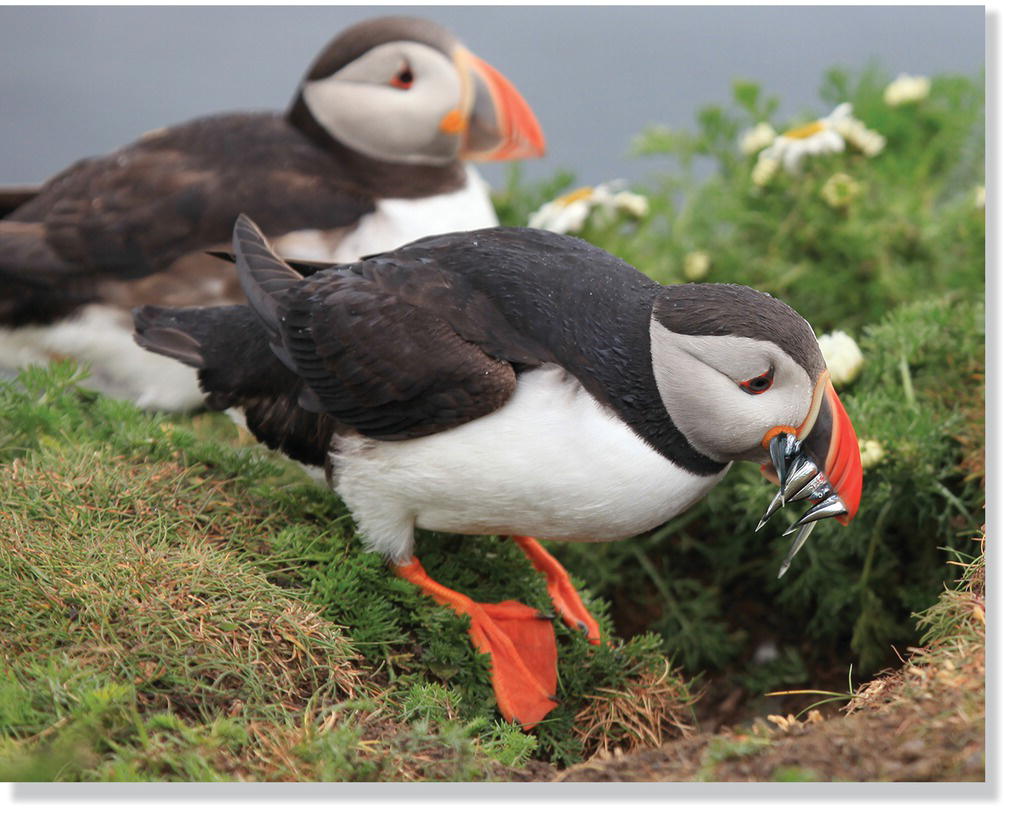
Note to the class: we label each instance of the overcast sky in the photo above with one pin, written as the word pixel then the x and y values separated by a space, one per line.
pixel 78 81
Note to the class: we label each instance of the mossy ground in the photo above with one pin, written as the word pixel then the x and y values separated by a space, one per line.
pixel 181 604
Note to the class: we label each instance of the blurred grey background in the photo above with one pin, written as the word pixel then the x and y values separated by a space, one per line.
pixel 79 81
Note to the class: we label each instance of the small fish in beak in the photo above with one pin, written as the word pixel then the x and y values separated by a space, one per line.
pixel 824 468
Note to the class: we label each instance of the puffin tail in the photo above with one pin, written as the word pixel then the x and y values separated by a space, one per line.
pixel 13 198
pixel 232 351
pixel 171 332
pixel 228 345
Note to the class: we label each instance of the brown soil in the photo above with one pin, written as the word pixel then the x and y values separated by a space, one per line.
pixel 923 722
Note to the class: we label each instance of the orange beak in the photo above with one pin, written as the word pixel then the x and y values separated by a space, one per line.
pixel 817 461
pixel 828 441
pixel 500 125
pixel 843 464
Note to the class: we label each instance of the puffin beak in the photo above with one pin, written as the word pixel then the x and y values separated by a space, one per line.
pixel 500 125
pixel 819 461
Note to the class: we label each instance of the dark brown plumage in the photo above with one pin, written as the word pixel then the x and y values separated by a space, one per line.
pixel 139 209
pixel 150 210
pixel 430 336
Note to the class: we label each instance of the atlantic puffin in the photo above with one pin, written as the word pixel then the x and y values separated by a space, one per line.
pixel 518 382
pixel 372 153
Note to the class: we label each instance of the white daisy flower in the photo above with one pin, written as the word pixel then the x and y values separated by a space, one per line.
pixel 979 197
pixel 815 138
pixel 843 357
pixel 856 133
pixel 568 213
pixel 905 89
pixel 820 137
pixel 631 203
pixel 696 265
pixel 765 169
pixel 565 214
pixel 871 452
pixel 840 190
pixel 756 138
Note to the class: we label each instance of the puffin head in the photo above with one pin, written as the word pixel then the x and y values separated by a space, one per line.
pixel 404 90
pixel 743 378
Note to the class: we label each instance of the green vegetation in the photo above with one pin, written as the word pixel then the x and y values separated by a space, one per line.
pixel 897 260
pixel 923 721
pixel 182 604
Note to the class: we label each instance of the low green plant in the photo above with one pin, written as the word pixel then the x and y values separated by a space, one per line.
pixel 894 255
pixel 794 773
pixel 211 577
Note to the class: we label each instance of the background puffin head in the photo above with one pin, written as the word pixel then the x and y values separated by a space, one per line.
pixel 404 90
pixel 736 368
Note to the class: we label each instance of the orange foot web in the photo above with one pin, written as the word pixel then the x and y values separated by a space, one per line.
pixel 519 640
pixel 561 590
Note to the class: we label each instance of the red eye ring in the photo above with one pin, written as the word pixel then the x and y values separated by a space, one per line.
pixel 404 78
pixel 759 384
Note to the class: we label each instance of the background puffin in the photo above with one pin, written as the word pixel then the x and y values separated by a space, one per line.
pixel 370 155
pixel 517 382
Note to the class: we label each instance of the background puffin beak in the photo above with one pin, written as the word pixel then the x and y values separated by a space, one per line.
pixel 501 126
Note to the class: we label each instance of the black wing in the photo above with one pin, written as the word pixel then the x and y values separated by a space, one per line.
pixel 372 361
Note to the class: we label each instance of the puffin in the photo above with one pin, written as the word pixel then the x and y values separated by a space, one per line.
pixel 373 152
pixel 516 382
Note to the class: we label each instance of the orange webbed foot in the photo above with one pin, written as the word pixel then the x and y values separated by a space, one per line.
pixel 519 641
pixel 564 595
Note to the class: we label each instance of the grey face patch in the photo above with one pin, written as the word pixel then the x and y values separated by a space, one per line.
pixel 700 381
pixel 709 309
pixel 358 106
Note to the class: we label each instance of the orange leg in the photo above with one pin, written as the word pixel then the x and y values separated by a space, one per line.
pixel 519 640
pixel 564 595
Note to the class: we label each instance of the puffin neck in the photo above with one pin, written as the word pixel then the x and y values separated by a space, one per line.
pixel 593 319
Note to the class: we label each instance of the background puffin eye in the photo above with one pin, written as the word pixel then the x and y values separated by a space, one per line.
pixel 754 386
pixel 403 78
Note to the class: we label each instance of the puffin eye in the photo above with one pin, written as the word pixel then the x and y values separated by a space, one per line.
pixel 403 78
pixel 754 386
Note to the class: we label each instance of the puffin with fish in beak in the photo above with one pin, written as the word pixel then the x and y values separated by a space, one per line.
pixel 521 383
pixel 373 152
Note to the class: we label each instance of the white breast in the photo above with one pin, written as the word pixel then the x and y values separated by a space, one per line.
pixel 102 337
pixel 395 222
pixel 552 463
